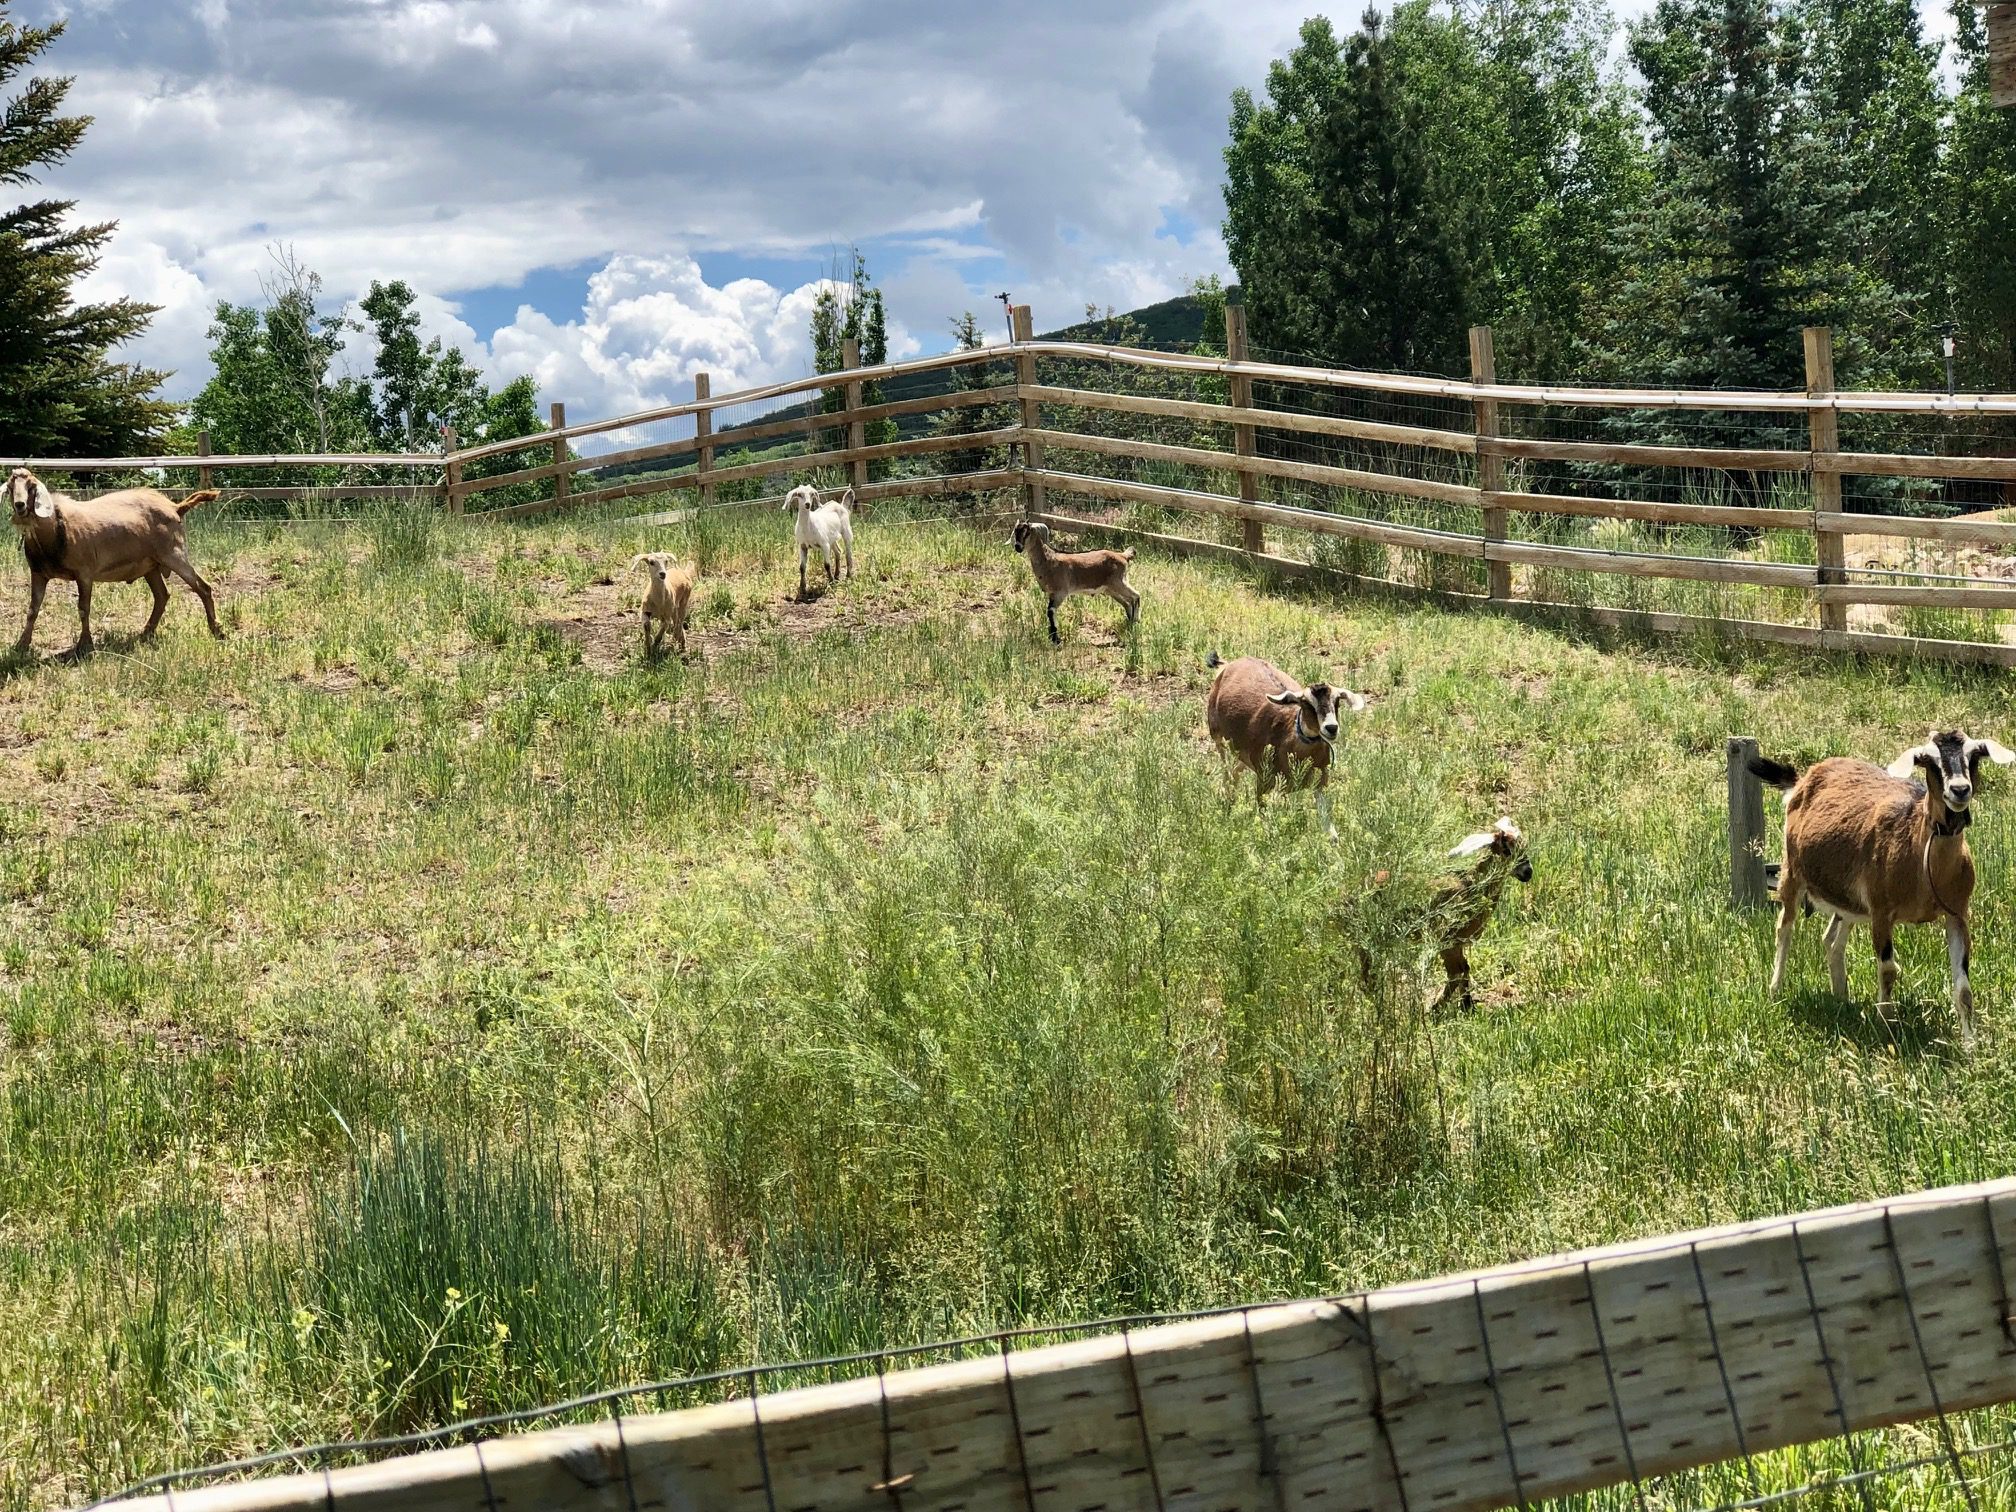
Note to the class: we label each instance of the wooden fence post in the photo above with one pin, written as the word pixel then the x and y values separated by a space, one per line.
pixel 1022 328
pixel 1824 433
pixel 1490 465
pixel 703 432
pixel 563 483
pixel 203 474
pixel 451 472
pixel 857 430
pixel 1746 826
pixel 1252 537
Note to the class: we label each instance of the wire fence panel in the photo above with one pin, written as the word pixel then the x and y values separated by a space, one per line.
pixel 1629 1367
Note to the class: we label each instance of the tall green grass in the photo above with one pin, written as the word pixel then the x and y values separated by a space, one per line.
pixel 418 1005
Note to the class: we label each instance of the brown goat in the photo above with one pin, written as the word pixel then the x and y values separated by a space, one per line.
pixel 116 538
pixel 1062 574
pixel 1865 844
pixel 1275 727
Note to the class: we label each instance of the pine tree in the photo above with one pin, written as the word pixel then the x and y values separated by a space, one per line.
pixel 60 390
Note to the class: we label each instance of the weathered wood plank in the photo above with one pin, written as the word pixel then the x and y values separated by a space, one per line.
pixel 1693 457
pixel 1465 1393
pixel 1490 466
pixel 1265 419
pixel 1266 467
pixel 1933 595
pixel 1824 430
pixel 1728 516
pixel 1633 564
pixel 1960 532
pixel 1317 521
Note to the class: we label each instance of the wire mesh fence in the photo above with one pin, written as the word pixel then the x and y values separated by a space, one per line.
pixel 1856 1357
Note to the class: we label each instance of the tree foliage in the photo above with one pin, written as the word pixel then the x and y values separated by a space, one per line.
pixel 1759 166
pixel 61 390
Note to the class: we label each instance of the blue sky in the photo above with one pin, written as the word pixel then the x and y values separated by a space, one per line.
pixel 615 194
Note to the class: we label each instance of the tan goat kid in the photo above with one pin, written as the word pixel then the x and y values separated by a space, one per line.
pixel 1064 574
pixel 1866 845
pixel 115 538
pixel 1276 727
pixel 667 598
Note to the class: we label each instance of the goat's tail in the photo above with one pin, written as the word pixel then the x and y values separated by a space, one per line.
pixel 201 496
pixel 1777 774
pixel 1127 555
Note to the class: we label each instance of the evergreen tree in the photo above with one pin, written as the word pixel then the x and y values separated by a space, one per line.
pixel 1978 194
pixel 60 390
pixel 1725 264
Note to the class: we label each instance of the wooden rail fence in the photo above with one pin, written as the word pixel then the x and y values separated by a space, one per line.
pixel 1464 481
pixel 1613 1366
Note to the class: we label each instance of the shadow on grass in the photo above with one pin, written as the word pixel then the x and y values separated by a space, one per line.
pixel 1914 1027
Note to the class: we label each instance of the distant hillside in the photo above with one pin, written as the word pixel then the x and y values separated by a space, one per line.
pixel 1177 322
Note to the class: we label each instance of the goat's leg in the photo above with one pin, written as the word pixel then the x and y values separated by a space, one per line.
pixel 679 632
pixel 159 585
pixel 37 586
pixel 1055 638
pixel 849 539
pixel 1880 926
pixel 1958 946
pixel 1323 805
pixel 1126 598
pixel 1789 895
pixel 803 553
pixel 180 565
pixel 83 646
pixel 1456 967
pixel 1837 955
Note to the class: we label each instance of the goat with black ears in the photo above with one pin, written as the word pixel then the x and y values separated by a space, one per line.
pixel 1868 845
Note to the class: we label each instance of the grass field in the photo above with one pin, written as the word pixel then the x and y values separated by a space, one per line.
pixel 420 1004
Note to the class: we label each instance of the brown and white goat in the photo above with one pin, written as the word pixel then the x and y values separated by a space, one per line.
pixel 1064 574
pixel 1866 845
pixel 667 598
pixel 115 538
pixel 1276 727
pixel 1459 906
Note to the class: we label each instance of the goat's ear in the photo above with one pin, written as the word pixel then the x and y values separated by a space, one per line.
pixel 1355 702
pixel 38 496
pixel 1469 845
pixel 2001 755
pixel 1293 695
pixel 636 561
pixel 1904 765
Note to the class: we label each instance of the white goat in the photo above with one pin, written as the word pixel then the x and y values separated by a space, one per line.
pixel 1868 845
pixel 828 526
pixel 667 598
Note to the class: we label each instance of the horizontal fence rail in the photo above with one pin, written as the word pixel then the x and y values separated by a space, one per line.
pixel 1369 462
pixel 1501 1388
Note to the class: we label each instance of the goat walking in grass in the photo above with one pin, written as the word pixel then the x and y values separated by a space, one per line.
pixel 115 538
pixel 1460 906
pixel 1867 845
pixel 1276 727
pixel 829 527
pixel 1063 574
pixel 666 598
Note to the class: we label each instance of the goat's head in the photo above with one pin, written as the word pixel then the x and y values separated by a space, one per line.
pixel 658 563
pixel 29 496
pixel 1318 707
pixel 1505 843
pixel 805 496
pixel 1028 530
pixel 1951 762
